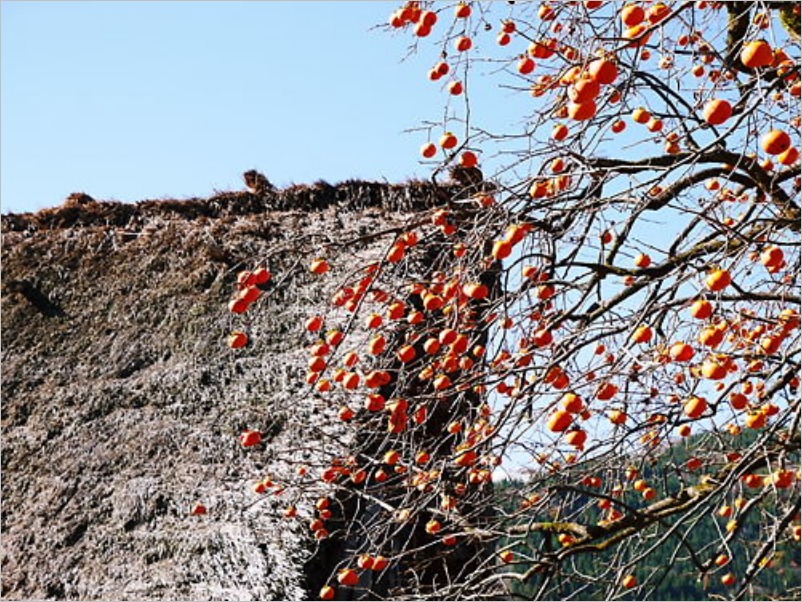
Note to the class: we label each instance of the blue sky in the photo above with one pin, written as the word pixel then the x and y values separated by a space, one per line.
pixel 135 100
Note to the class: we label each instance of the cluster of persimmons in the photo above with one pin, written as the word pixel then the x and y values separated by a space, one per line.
pixel 401 340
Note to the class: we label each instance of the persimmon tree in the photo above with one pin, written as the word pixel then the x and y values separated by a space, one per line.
pixel 586 358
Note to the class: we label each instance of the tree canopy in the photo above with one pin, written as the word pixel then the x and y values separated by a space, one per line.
pixel 578 377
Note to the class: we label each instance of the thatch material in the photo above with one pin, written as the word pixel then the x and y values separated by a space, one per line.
pixel 122 404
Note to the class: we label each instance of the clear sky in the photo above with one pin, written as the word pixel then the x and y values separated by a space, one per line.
pixel 135 100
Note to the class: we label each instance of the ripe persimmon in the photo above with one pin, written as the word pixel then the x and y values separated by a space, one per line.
pixel 517 232
pixel 466 458
pixel 432 302
pixel 334 337
pixel 717 111
pixel 397 310
pixel 771 344
pixel 714 368
pixel 695 407
pixel 602 70
pixel 261 276
pixel 573 403
pixel 238 306
pixel 428 18
pixel 582 111
pixel 643 334
pixel 617 416
pixel 348 577
pixel 314 324
pixel 448 141
pixel 506 556
pixel 351 380
pixel 374 321
pixel 346 414
pixel 433 527
pixel 788 157
pixel 475 290
pixel 396 253
pixel 728 579
pixel 456 88
pixel 718 279
pixel 583 91
pixel 431 346
pixel 374 402
pixel 757 53
pixel 442 382
pixel 319 266
pixel 658 13
pixel 606 391
pixel 468 159
pixel 639 34
pixel 560 132
pixel 396 20
pixel 775 142
pixel 237 339
pixel 772 255
pixel 380 563
pixel 250 438
pixel 702 309
pixel 406 353
pixel 632 14
pixel 542 49
pixel 756 420
pixel 377 344
pixel 576 438
pixel 365 561
pixel 540 189
pixel 542 338
pixel 501 249
pixel 560 420
pixel 738 401
pixel 681 352
pixel 316 364
pixel 654 125
pixel 526 66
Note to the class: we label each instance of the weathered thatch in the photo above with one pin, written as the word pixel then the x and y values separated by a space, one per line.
pixel 122 404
